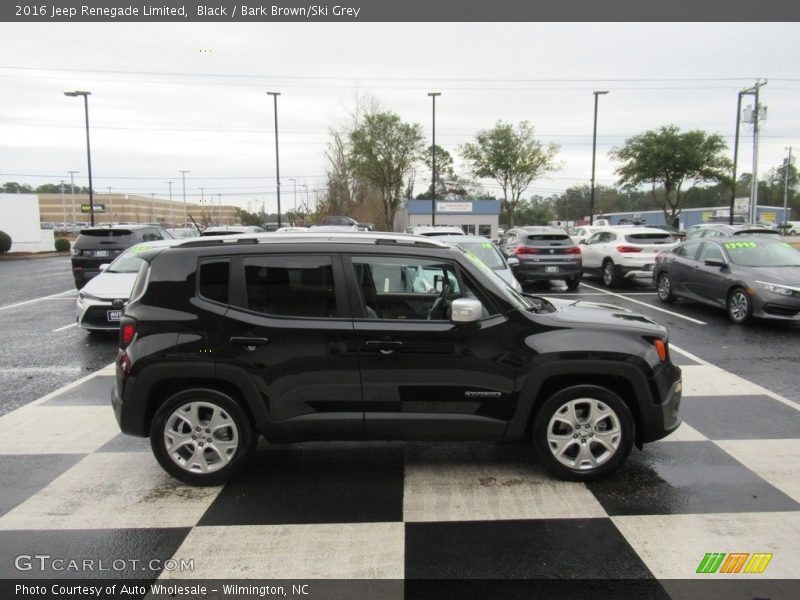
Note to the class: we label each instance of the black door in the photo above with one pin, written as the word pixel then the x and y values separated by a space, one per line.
pixel 288 327
pixel 423 376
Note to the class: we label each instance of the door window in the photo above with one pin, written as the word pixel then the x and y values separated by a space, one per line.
pixel 688 250
pixel 710 250
pixel 409 288
pixel 290 286
pixel 214 277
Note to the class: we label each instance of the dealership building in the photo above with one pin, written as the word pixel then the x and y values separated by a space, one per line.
pixel 475 217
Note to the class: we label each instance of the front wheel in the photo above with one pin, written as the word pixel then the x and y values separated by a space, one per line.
pixel 201 436
pixel 740 307
pixel 582 433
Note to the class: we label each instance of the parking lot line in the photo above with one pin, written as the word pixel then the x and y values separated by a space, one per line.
pixel 51 296
pixel 669 312
pixel 574 294
pixel 64 327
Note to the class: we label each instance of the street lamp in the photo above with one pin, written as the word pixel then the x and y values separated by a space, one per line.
pixel 308 207
pixel 185 211
pixel 277 161
pixel 594 152
pixel 433 168
pixel 85 95
pixel 293 180
pixel 72 189
pixel 171 206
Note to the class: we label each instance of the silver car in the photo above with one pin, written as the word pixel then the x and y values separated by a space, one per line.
pixel 103 298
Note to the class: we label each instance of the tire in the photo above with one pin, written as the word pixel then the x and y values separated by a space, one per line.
pixel 664 288
pixel 186 419
pixel 573 283
pixel 740 307
pixel 611 276
pixel 578 418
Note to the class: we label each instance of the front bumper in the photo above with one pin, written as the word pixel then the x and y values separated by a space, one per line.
pixel 769 305
pixel 97 314
pixel 663 418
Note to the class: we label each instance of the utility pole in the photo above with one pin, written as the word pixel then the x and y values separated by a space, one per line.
pixel 219 211
pixel 185 211
pixel 72 189
pixel 277 160
pixel 755 116
pixel 64 206
pixel 786 191
pixel 171 207
pixel 433 168
pixel 594 151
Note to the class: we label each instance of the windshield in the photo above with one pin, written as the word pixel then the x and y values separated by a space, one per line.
pixel 128 261
pixel 509 293
pixel 487 252
pixel 762 254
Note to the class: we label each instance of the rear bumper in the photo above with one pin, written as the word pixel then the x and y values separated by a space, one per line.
pixel 528 272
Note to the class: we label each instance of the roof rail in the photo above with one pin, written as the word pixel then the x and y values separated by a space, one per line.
pixel 217 241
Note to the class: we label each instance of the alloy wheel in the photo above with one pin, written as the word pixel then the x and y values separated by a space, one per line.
pixel 200 437
pixel 584 433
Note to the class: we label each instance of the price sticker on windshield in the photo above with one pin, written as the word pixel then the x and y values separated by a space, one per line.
pixel 735 245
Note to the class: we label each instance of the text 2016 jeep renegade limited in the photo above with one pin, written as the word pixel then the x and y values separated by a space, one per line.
pixel 376 336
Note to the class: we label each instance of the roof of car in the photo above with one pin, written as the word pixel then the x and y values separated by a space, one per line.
pixel 116 227
pixel 461 239
pixel 336 237
pixel 631 228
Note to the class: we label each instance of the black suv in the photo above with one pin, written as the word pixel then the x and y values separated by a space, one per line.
pixel 544 253
pixel 96 246
pixel 376 336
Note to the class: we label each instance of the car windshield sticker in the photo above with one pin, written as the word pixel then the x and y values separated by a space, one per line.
pixel 139 248
pixel 735 245
pixel 486 245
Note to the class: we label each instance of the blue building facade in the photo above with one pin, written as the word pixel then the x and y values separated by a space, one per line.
pixel 477 217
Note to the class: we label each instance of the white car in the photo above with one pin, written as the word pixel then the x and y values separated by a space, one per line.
pixel 624 252
pixel 103 298
pixel 436 230
pixel 582 233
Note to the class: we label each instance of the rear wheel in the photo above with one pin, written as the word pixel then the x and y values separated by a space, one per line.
pixel 583 433
pixel 201 436
pixel 664 288
pixel 573 283
pixel 611 276
pixel 740 307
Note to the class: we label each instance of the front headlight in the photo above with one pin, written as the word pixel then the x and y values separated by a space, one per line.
pixel 776 288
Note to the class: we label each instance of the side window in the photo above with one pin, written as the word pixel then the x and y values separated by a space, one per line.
pixel 290 286
pixel 597 238
pixel 688 250
pixel 710 250
pixel 150 235
pixel 408 288
pixel 214 278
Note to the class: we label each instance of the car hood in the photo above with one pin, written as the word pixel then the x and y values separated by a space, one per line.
pixel 783 275
pixel 508 276
pixel 596 314
pixel 110 285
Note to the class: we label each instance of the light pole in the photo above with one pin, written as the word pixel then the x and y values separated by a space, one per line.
pixel 185 211
pixel 72 189
pixel 294 181
pixel 171 207
pixel 735 153
pixel 85 95
pixel 433 167
pixel 64 206
pixel 219 209
pixel 277 160
pixel 594 152
pixel 308 208
pixel 786 192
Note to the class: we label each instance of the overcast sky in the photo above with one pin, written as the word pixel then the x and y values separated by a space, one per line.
pixel 192 96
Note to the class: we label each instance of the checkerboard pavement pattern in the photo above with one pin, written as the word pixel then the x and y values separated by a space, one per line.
pixel 73 485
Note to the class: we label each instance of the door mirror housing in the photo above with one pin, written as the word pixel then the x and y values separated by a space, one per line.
pixel 513 261
pixel 464 311
pixel 104 266
pixel 716 262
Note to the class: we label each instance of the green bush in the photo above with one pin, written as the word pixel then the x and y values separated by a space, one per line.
pixel 62 245
pixel 5 242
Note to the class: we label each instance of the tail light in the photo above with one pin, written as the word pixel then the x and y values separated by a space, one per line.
pixel 573 250
pixel 661 349
pixel 127 331
pixel 525 250
pixel 628 249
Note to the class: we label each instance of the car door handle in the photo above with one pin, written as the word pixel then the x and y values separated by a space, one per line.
pixel 250 342
pixel 385 346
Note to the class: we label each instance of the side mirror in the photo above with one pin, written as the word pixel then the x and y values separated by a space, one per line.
pixel 464 311
pixel 582 242
pixel 716 262
pixel 513 261
pixel 104 266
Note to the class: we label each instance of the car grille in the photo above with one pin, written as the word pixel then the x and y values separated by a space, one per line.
pixel 96 316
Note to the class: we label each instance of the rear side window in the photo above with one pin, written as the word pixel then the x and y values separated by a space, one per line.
pixel 296 286
pixel 688 250
pixel 649 238
pixel 214 279
pixel 550 237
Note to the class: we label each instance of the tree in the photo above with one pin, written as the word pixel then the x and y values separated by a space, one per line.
pixel 383 151
pixel 512 157
pixel 12 187
pixel 444 172
pixel 669 158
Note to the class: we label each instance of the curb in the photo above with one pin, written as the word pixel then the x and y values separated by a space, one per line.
pixel 23 256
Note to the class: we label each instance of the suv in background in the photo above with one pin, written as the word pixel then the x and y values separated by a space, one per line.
pixel 544 253
pixel 336 223
pixel 376 336
pixel 98 246
pixel 624 251
pixel 231 230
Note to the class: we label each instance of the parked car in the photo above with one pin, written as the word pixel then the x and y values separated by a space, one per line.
pixel 180 233
pixel 488 253
pixel 748 276
pixel 436 230
pixel 544 253
pixel 343 223
pixel 724 230
pixel 582 233
pixel 623 252
pixel 790 228
pixel 676 234
pixel 307 341
pixel 101 301
pixel 231 230
pixel 96 246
